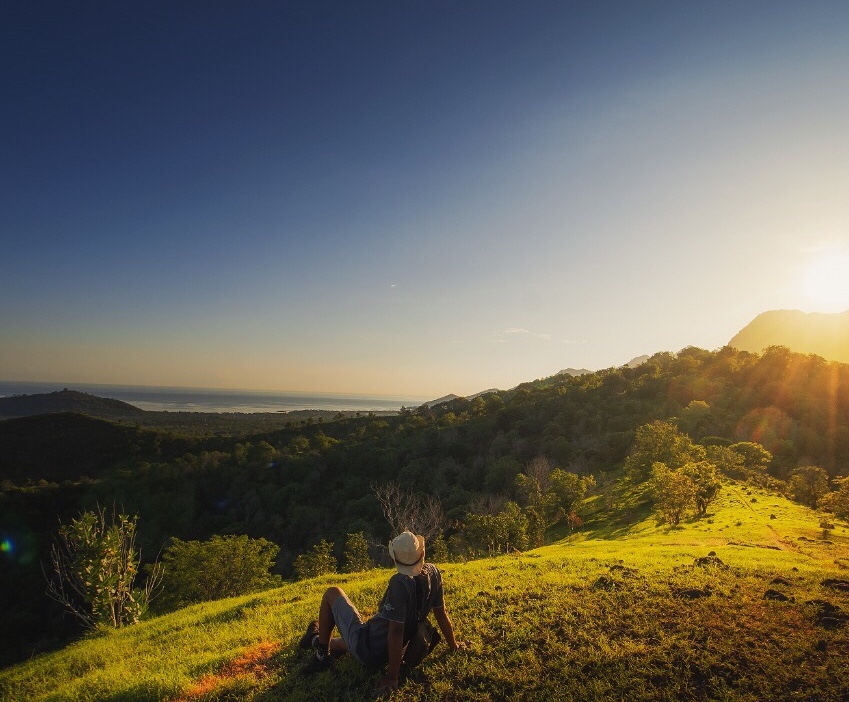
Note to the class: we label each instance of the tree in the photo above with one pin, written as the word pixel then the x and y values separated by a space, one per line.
pixel 95 563
pixel 673 492
pixel 808 484
pixel 437 550
pixel 704 477
pixel 540 469
pixel 728 462
pixel 356 553
pixel 696 418
pixel 529 491
pixel 501 474
pixel 404 510
pixel 536 527
pixel 223 566
pixel 659 442
pixel 565 492
pixel 321 441
pixel 838 500
pixel 299 444
pixel 317 562
pixel 497 533
pixel 755 457
pixel 551 504
pixel 515 525
pixel 574 521
pixel 261 454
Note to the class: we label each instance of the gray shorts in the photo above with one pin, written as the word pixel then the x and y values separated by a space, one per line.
pixel 350 624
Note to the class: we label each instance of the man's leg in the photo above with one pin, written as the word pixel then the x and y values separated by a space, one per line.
pixel 325 618
pixel 336 610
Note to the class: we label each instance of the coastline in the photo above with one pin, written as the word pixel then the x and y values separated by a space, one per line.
pixel 217 400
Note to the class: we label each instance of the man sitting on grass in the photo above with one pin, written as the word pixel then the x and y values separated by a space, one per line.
pixel 383 638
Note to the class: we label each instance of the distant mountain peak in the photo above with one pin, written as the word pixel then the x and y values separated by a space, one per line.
pixel 441 400
pixel 488 391
pixel 574 372
pixel 638 361
pixel 821 333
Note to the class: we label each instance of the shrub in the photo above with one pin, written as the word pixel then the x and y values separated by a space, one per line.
pixel 356 553
pixel 223 566
pixel 94 567
pixel 317 562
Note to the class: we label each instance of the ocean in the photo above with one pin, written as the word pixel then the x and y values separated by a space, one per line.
pixel 158 399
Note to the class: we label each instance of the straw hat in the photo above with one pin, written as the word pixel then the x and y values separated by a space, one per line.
pixel 408 552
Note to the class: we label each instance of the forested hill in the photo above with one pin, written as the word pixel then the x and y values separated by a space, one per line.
pixel 796 405
pixel 65 446
pixel 66 401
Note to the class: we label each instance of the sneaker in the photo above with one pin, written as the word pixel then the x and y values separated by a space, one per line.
pixel 311 635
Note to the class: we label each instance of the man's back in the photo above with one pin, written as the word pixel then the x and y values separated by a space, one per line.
pixel 405 602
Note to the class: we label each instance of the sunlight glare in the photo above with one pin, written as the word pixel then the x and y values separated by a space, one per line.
pixel 827 283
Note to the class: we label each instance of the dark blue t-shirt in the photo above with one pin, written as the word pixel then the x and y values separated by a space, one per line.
pixel 399 605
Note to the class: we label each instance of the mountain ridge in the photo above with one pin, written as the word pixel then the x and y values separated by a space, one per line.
pixel 821 333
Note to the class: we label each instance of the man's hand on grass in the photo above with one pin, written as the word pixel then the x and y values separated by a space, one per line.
pixel 386 686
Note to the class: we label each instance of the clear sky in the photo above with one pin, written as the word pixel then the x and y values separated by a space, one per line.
pixel 411 197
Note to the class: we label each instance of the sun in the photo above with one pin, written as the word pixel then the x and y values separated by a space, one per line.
pixel 827 283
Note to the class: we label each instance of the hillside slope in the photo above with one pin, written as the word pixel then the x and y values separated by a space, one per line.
pixel 826 335
pixel 621 611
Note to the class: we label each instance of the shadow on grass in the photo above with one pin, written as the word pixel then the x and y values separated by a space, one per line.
pixel 346 679
pixel 230 614
pixel 137 693
pixel 620 525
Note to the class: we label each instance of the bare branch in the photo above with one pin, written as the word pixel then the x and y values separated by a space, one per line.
pixel 540 468
pixel 404 510
pixel 487 504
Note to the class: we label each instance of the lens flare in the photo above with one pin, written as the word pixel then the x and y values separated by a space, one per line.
pixel 6 546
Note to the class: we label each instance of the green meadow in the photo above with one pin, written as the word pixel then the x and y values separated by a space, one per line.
pixel 624 610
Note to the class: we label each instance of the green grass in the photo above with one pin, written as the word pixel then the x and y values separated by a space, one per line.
pixel 603 615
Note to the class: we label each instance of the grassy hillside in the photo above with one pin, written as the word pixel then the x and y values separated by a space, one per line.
pixel 620 611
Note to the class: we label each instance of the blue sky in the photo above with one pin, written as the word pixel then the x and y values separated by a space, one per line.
pixel 410 198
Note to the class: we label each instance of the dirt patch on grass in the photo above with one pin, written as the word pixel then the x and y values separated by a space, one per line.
pixel 254 662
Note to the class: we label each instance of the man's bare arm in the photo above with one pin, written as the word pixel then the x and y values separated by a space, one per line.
pixel 395 639
pixel 447 628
